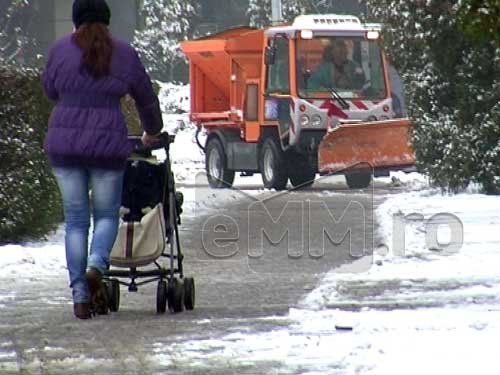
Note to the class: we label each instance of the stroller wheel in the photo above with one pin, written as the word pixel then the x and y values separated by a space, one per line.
pixel 161 297
pixel 113 289
pixel 175 295
pixel 189 293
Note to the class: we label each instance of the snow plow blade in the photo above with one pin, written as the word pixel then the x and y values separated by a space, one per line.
pixel 378 144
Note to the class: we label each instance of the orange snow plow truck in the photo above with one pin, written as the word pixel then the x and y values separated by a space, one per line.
pixel 291 101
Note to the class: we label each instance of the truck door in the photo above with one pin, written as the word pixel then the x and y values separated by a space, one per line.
pixel 277 98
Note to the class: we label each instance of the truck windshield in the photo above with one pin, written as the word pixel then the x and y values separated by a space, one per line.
pixel 351 66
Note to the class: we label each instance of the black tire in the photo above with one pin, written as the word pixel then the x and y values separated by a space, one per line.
pixel 113 289
pixel 216 165
pixel 272 164
pixel 161 297
pixel 301 172
pixel 358 179
pixel 175 295
pixel 189 293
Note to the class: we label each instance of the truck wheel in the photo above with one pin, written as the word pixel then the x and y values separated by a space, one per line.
pixel 215 165
pixel 358 179
pixel 272 165
pixel 301 172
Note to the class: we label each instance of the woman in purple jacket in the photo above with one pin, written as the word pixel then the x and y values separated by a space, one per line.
pixel 87 73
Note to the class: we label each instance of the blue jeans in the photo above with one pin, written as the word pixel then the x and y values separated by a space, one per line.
pixel 105 200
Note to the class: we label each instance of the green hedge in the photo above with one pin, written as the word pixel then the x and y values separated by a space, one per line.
pixel 30 204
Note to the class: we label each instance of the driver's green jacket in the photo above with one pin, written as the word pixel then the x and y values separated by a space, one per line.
pixel 349 76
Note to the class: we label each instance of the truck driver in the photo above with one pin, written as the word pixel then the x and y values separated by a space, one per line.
pixel 337 70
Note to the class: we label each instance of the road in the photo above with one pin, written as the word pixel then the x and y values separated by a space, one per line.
pixel 253 258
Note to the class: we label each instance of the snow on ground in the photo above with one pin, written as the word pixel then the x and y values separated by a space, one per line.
pixel 421 310
pixel 37 259
pixel 411 181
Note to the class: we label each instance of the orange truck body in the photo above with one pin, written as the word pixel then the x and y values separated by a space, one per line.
pixel 219 68
pixel 229 80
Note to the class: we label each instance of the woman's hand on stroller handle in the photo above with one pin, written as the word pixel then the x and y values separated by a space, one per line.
pixel 161 140
pixel 150 140
pixel 147 143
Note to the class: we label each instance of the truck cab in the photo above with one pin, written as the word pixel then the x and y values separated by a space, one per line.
pixel 321 71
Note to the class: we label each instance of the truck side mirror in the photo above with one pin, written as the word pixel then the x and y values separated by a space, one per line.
pixel 270 55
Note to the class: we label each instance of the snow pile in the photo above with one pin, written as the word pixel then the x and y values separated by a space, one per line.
pixel 187 158
pixel 413 180
pixel 441 297
pixel 34 259
pixel 412 268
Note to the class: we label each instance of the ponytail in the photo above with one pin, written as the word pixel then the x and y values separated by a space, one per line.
pixel 95 42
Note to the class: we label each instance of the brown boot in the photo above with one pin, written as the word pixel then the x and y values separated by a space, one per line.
pixel 98 296
pixel 82 310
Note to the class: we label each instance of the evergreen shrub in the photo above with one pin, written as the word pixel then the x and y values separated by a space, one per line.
pixel 453 90
pixel 30 204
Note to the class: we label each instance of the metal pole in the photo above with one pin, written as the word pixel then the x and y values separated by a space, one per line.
pixel 277 14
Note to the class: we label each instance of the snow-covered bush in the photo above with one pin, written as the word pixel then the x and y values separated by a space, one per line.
pixel 166 23
pixel 15 16
pixel 479 20
pixel 260 12
pixel 29 198
pixel 453 90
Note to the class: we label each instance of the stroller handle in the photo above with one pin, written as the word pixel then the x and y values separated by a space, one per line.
pixel 138 148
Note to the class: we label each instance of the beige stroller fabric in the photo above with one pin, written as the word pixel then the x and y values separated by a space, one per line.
pixel 140 243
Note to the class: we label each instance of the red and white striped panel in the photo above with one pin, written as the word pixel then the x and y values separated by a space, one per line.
pixel 356 105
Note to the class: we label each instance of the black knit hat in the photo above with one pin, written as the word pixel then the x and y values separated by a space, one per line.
pixel 85 11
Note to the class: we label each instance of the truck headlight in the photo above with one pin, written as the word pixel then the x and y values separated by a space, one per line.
pixel 316 121
pixel 304 120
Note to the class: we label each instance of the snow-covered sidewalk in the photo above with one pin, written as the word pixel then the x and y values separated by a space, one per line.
pixel 420 312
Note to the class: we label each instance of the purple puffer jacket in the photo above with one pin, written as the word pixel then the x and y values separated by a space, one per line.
pixel 86 127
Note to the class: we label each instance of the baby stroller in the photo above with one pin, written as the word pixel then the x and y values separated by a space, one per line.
pixel 148 230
